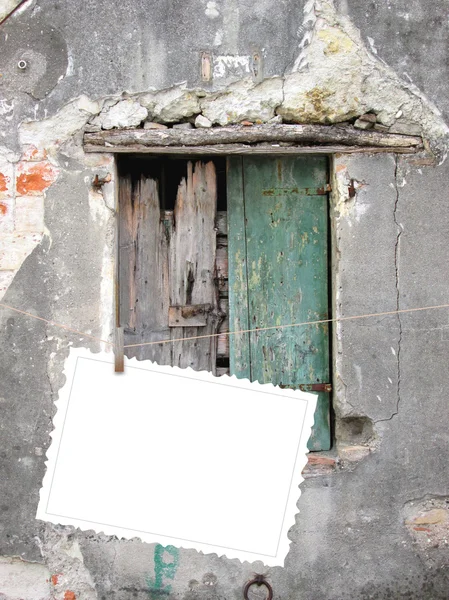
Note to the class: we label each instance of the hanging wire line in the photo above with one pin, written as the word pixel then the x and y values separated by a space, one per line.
pixel 257 329
pixel 92 337
pixel 240 332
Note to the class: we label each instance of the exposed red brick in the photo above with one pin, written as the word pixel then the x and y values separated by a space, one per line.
pixel 69 595
pixel 314 459
pixel 34 178
pixel 421 528
pixel 319 465
pixel 3 208
pixel 3 182
pixel 55 578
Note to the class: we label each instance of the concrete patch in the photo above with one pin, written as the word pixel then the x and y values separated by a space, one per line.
pixel 20 580
pixel 427 522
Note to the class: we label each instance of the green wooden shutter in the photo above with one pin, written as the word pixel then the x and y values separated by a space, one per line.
pixel 278 274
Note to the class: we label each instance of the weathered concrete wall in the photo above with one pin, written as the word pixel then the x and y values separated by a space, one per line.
pixel 373 517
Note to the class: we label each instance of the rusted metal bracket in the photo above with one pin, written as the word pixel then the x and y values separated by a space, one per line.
pixel 256 64
pixel 258 580
pixel 321 191
pixel 98 182
pixel 315 387
pixel 351 189
pixel 194 315
pixel 206 66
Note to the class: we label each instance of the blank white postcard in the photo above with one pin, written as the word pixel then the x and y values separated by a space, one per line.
pixel 177 457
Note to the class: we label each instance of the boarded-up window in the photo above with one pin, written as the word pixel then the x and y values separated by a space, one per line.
pixel 173 237
pixel 173 261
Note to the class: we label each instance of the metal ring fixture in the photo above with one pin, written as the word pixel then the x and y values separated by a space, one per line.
pixel 258 580
pixel 22 64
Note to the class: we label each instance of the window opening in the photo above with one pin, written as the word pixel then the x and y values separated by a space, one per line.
pixel 174 255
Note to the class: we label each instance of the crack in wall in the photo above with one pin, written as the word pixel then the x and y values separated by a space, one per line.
pixel 47 369
pixel 396 266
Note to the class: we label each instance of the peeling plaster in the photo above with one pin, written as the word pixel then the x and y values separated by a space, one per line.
pixel 335 77
pixel 31 174
pixel 315 90
pixel 63 555
pixel 225 65
pixel 51 133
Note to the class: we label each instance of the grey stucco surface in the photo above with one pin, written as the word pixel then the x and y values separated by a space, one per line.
pixel 367 284
pixel 61 280
pixel 350 541
pixel 411 37
pixel 135 46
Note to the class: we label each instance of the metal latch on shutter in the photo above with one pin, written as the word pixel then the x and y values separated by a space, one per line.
pixel 192 315
pixel 315 387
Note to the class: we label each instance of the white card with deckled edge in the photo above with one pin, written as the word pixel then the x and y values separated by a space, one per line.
pixel 177 457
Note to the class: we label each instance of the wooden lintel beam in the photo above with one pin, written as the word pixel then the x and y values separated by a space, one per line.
pixel 224 149
pixel 128 140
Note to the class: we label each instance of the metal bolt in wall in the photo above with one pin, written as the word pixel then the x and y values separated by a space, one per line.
pixel 22 64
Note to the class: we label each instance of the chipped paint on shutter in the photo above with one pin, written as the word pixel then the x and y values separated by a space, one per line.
pixel 278 274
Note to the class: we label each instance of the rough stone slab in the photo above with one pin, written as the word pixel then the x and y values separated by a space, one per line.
pixel 126 113
pixel 172 105
pixel 362 124
pixel 244 101
pixel 152 125
pixel 202 121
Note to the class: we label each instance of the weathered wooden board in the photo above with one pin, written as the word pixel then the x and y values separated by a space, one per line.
pixel 279 274
pixel 244 149
pixel 240 356
pixel 238 134
pixel 168 269
pixel 192 264
pixel 144 285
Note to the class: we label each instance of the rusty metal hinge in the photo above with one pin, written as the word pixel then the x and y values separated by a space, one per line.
pixel 295 191
pixel 315 387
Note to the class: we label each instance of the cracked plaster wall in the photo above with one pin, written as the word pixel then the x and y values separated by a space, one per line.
pixel 390 228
